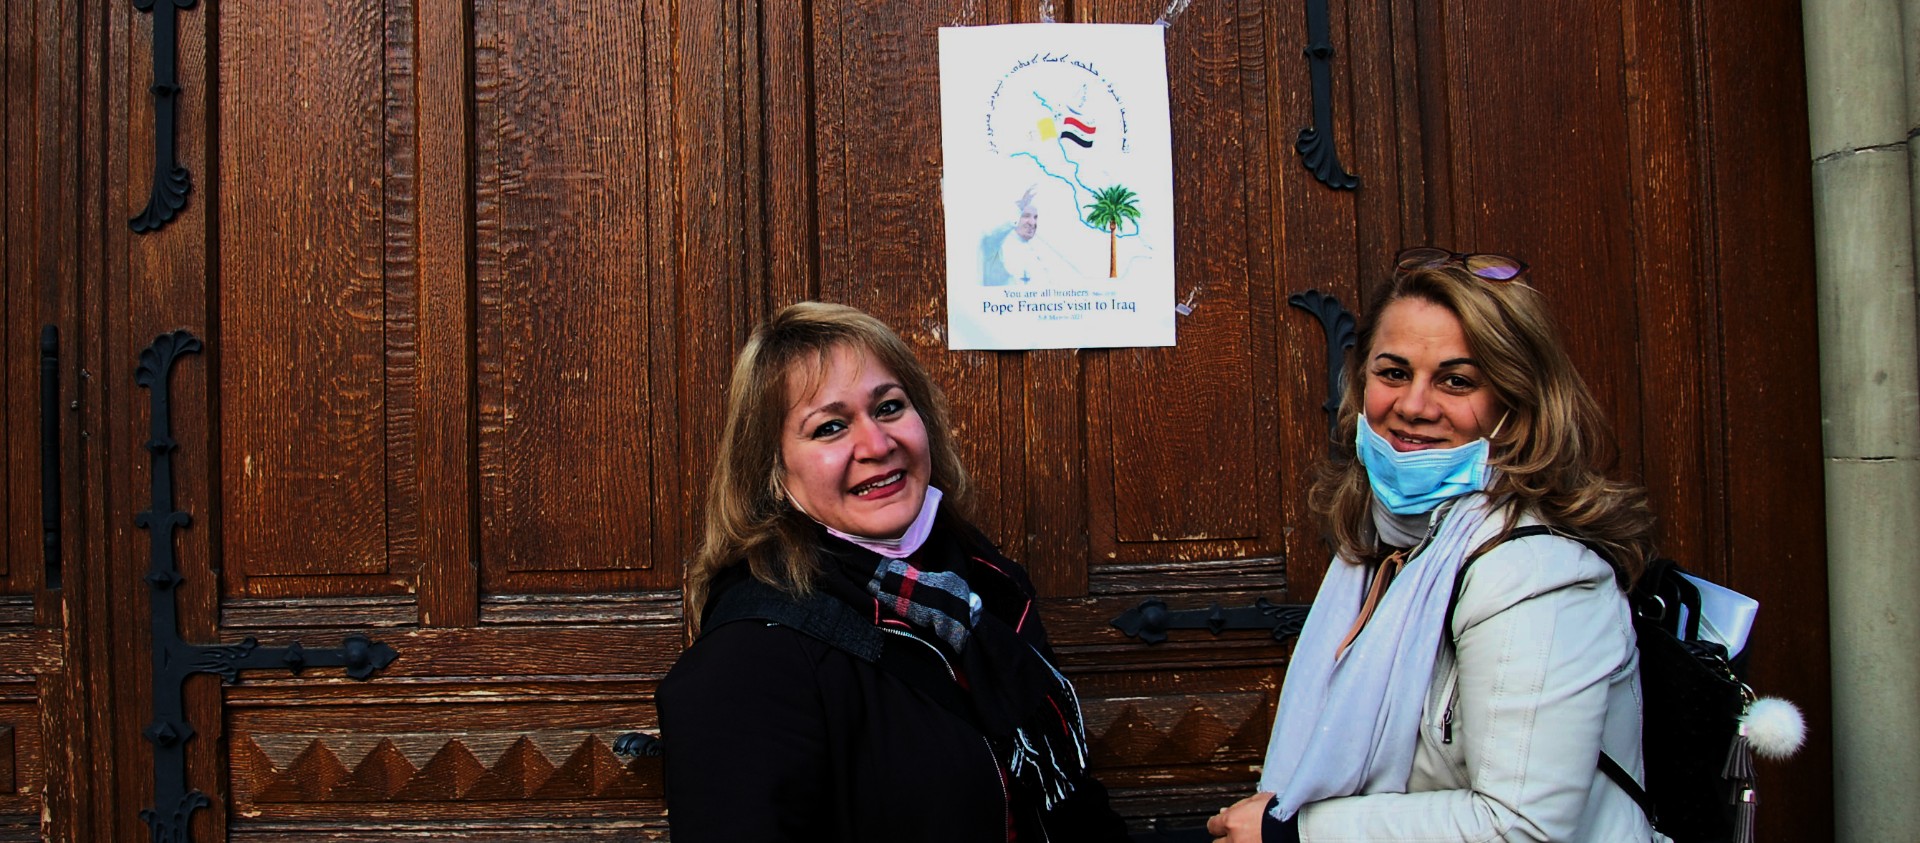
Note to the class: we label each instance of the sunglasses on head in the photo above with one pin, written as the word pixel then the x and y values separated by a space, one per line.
pixel 1482 265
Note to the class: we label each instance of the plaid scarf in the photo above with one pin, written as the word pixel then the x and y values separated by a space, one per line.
pixel 1027 709
pixel 940 601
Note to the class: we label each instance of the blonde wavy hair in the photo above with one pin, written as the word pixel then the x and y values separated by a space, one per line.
pixel 748 519
pixel 1548 457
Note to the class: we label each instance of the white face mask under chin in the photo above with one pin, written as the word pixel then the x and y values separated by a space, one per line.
pixel 1414 482
pixel 898 548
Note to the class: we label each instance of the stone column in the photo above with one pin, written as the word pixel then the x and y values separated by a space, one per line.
pixel 1863 101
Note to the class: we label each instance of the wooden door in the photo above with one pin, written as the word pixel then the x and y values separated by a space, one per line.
pixel 468 277
pixel 1595 142
pixel 44 736
pixel 456 363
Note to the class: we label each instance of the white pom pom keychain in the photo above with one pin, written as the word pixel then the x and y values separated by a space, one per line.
pixel 1774 727
pixel 1771 728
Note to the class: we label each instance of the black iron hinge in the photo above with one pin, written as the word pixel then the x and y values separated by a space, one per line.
pixel 1316 141
pixel 1336 322
pixel 171 182
pixel 1151 620
pixel 175 659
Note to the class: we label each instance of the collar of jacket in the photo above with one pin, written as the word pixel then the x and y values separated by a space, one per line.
pixel 818 614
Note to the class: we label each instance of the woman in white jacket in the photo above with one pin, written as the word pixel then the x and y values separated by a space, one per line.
pixel 1412 713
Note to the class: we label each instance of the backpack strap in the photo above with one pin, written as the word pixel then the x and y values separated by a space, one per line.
pixel 1625 780
pixel 1612 768
pixel 1460 576
pixel 818 615
pixel 825 618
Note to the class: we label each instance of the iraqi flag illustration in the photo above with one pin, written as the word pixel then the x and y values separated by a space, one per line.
pixel 1072 128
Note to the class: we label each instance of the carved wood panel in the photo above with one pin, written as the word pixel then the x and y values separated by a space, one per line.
pixel 511 756
pixel 450 424
pixel 575 337
pixel 575 332
pixel 22 759
pixel 315 416
pixel 1574 225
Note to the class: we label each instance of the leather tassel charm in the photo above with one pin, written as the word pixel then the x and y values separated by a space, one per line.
pixel 1746 807
pixel 1738 772
pixel 1739 767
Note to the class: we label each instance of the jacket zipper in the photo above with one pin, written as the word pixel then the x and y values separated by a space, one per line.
pixel 1006 798
pixel 936 650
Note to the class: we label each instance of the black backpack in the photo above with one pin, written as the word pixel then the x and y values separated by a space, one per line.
pixel 1699 769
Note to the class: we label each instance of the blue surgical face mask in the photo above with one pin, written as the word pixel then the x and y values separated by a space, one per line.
pixel 1412 482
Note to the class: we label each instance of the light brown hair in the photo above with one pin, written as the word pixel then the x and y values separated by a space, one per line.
pixel 1548 457
pixel 748 519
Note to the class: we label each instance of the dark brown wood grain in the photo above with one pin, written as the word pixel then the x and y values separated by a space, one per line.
pixel 787 140
pixel 22 750
pixel 29 652
pixel 303 294
pixel 721 293
pixel 1558 193
pixel 86 766
pixel 1677 320
pixel 1054 523
pixel 403 275
pixel 1183 419
pixel 386 759
pixel 564 296
pixel 449 583
pixel 1178 735
pixel 8 762
pixel 17 272
pixel 90 761
pixel 1768 431
pixel 373 756
pixel 667 304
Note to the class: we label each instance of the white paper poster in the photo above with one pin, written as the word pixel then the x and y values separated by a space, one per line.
pixel 1058 186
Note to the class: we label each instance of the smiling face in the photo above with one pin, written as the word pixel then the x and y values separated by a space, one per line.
pixel 1423 387
pixel 1028 223
pixel 853 447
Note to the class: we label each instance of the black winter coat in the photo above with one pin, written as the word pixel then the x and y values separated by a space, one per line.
pixel 796 731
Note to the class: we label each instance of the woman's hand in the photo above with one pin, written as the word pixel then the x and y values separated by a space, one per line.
pixel 1240 822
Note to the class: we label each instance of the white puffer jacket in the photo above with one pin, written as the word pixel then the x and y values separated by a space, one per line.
pixel 1546 676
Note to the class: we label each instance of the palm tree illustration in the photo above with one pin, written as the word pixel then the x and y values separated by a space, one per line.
pixel 1110 207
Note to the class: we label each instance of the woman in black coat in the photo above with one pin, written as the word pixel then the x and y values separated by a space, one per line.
pixel 869 667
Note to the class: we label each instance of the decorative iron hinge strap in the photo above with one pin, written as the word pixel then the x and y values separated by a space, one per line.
pixel 175 659
pixel 1316 141
pixel 1151 620
pixel 171 182
pixel 1336 323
